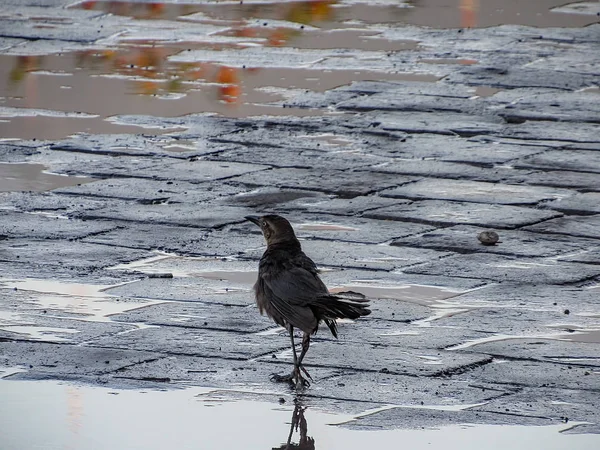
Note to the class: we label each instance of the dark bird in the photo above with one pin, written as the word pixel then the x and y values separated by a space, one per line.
pixel 290 291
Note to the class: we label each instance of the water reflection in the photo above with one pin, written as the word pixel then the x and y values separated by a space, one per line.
pixel 330 14
pixel 298 425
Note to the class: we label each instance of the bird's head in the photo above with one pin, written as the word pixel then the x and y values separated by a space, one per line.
pixel 275 229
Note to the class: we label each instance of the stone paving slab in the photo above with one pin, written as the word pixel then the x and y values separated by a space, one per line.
pixel 66 254
pixel 442 213
pixel 566 352
pixel 139 145
pixel 395 359
pixel 342 183
pixel 587 203
pixel 577 160
pixel 194 342
pixel 579 300
pixel 354 229
pixel 568 405
pixel 536 374
pixel 72 359
pixel 299 158
pixel 463 239
pixel 267 198
pixel 177 214
pixel 239 319
pixel 339 206
pixel 583 226
pixel 508 268
pixel 185 290
pixel 474 191
pixel 149 191
pixel 420 168
pixel 519 321
pixel 362 256
pixel 167 238
pixel 19 225
pixel 472 151
pixel 426 418
pixel 47 328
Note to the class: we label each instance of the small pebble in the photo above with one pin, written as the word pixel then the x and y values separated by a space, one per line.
pixel 488 237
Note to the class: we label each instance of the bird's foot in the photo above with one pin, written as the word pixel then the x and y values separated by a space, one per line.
pixel 295 378
pixel 276 378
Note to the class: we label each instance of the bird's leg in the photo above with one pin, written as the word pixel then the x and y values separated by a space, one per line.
pixel 305 346
pixel 292 377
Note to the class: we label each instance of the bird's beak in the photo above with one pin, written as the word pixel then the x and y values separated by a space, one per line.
pixel 254 219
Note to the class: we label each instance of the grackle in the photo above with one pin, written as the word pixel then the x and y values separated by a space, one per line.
pixel 290 291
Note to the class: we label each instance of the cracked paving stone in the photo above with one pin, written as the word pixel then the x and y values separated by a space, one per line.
pixel 266 197
pixel 577 160
pixel 178 214
pixel 148 191
pixel 361 256
pixel 339 206
pixel 195 342
pixel 506 268
pixel 424 417
pixel 19 225
pixel 442 213
pixel 67 254
pixel 557 404
pixel 463 239
pixel 582 226
pixel 564 179
pixel 300 158
pixel 475 150
pixel 385 359
pixel 138 145
pixel 345 184
pixel 406 336
pixel 536 374
pixel 419 168
pixel 517 321
pixel 460 124
pixel 402 389
pixel 60 359
pixel 182 240
pixel 48 203
pixel 591 256
pixel 199 171
pixel 45 328
pixel 566 354
pixel 214 372
pixel 339 228
pixel 478 192
pixel 196 315
pixel 587 203
pixel 185 290
pixel 578 300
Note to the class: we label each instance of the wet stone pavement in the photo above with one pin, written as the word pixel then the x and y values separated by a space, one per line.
pixel 135 137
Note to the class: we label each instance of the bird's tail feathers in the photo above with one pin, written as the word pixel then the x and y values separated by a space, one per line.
pixel 340 306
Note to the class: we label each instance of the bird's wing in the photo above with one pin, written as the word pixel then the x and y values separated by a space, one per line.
pixel 290 293
pixel 296 286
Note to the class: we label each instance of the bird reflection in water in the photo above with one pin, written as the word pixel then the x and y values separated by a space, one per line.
pixel 298 425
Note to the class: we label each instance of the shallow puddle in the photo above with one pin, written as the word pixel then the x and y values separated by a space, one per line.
pixel 19 177
pixel 413 293
pixel 194 267
pixel 329 14
pixel 83 302
pixel 318 226
pixel 83 417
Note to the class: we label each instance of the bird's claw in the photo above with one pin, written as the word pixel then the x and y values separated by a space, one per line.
pixel 295 378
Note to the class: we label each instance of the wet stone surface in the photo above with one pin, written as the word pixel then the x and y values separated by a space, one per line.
pixel 135 138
